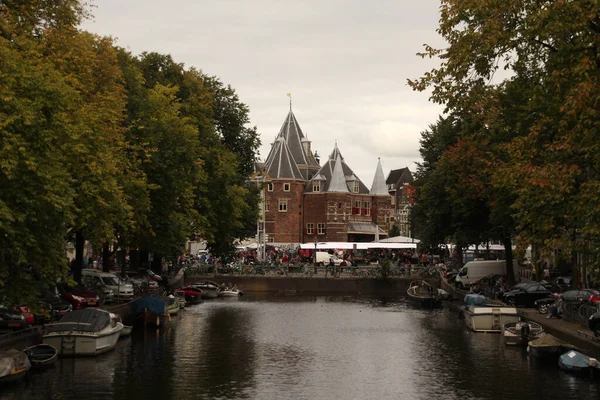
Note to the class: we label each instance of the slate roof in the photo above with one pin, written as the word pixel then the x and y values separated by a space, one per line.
pixel 280 164
pixel 379 187
pixel 326 172
pixel 291 132
pixel 396 174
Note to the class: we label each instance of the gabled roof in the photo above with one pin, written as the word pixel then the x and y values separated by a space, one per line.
pixel 280 164
pixel 326 172
pixel 379 187
pixel 396 175
pixel 291 132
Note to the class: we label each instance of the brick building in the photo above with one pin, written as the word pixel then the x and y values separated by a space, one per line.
pixel 304 201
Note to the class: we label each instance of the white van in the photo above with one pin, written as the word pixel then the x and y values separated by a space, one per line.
pixel 475 270
pixel 121 289
pixel 323 258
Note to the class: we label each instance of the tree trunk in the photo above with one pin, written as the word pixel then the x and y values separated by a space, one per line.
pixel 574 265
pixel 510 268
pixel 156 264
pixel 105 258
pixel 78 264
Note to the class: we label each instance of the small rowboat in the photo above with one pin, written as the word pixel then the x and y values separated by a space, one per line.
pixel 41 355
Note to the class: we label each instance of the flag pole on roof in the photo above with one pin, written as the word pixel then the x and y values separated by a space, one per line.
pixel 290 96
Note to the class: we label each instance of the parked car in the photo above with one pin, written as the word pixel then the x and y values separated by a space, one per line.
pixel 11 319
pixel 108 282
pixel 136 279
pixel 518 286
pixel 525 296
pixel 77 296
pixel 579 296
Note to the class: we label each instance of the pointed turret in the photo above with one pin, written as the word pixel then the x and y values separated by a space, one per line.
pixel 379 187
pixel 280 163
pixel 298 143
pixel 326 174
pixel 338 181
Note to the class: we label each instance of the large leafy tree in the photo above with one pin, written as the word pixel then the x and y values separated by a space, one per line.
pixel 552 161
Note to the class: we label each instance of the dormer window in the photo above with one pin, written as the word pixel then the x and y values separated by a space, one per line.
pixel 356 186
pixel 316 186
pixel 286 187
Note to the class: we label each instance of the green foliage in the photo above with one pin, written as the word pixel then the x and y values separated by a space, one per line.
pixel 394 231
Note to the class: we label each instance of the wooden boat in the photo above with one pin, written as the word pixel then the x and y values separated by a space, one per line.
pixel 86 332
pixel 423 294
pixel 489 318
pixel 548 346
pixel 41 355
pixel 14 365
pixel 521 333
pixel 150 312
pixel 574 361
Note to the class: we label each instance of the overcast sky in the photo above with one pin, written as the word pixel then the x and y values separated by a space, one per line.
pixel 345 62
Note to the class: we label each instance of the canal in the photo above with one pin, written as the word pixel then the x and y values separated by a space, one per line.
pixel 292 347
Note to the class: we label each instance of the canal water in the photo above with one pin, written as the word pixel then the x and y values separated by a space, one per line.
pixel 291 347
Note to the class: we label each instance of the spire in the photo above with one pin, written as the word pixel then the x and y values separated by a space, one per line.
pixel 379 187
pixel 338 181
pixel 335 153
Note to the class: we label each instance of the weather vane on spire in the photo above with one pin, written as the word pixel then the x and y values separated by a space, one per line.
pixel 290 96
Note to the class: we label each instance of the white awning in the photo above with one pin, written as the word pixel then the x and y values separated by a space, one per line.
pixel 359 245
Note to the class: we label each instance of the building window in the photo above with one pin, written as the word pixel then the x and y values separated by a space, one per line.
pixel 283 205
pixel 270 240
pixel 321 229
pixel 356 208
pixel 286 187
pixel 310 229
pixel 316 186
pixel 267 206
pixel 270 186
pixel 356 186
pixel 367 208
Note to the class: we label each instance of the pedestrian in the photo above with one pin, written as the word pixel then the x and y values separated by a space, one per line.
pixel 533 273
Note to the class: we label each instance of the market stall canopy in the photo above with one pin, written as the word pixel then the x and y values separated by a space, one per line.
pixel 359 245
pixel 400 239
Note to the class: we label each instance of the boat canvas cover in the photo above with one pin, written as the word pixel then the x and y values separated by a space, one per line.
pixel 574 360
pixel 475 300
pixel 11 361
pixel 86 320
pixel 550 342
pixel 152 304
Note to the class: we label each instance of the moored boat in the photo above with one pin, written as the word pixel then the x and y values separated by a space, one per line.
pixel 127 329
pixel 172 305
pixel 210 290
pixel 423 294
pixel 41 355
pixel 521 332
pixel 86 332
pixel 150 312
pixel 192 295
pixel 14 365
pixel 574 361
pixel 548 346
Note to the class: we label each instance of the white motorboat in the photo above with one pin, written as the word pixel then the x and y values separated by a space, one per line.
pixel 231 293
pixel 86 332
pixel 489 318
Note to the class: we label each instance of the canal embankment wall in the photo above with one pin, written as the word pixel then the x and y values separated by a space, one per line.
pixel 315 285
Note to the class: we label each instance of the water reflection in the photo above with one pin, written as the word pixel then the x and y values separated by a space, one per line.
pixel 281 346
